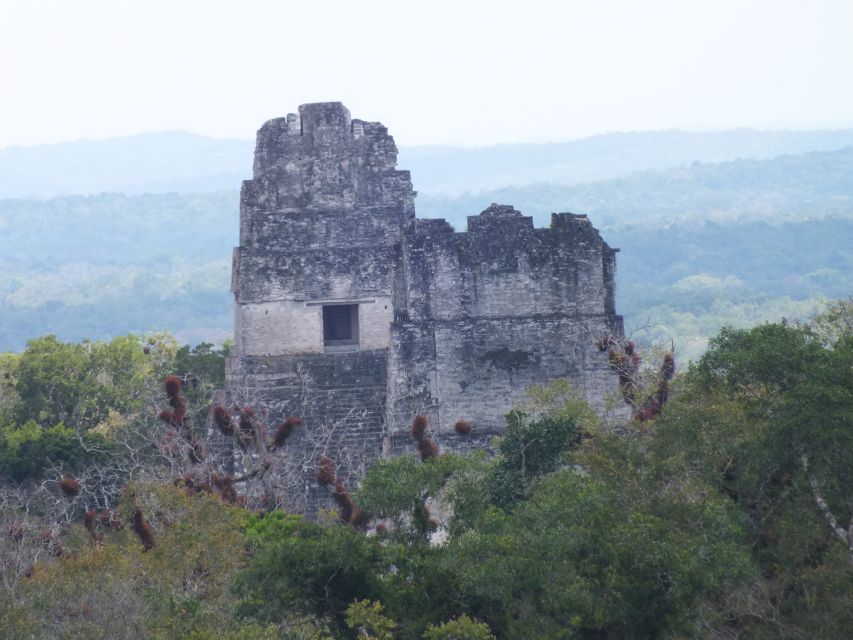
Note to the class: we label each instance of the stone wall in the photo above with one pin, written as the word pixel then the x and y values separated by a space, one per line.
pixel 504 267
pixel 454 325
pixel 320 221
pixel 339 396
pixel 494 310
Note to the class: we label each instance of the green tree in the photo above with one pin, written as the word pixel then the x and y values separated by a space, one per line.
pixel 201 366
pixel 601 553
pixel 462 628
pixel 79 384
pixel 766 418
pixel 301 567
pixel 366 618
pixel 26 452
pixel 529 450
pixel 588 544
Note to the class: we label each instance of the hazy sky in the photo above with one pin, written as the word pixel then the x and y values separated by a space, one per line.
pixel 462 72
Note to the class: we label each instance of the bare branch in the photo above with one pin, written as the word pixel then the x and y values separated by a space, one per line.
pixel 826 512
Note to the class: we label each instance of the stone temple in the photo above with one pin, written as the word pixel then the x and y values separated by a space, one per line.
pixel 356 315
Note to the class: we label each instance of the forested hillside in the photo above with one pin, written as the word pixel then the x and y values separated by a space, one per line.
pixel 97 266
pixel 701 246
pixel 451 171
pixel 683 282
pixel 145 163
pixel 800 186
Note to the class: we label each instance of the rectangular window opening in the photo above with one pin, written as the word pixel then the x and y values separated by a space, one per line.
pixel 340 325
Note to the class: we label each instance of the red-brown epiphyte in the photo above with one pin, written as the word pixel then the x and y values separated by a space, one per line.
pixel 462 427
pixel 143 530
pixel 347 511
pixel 247 423
pixel 427 449
pixel 635 362
pixel 419 425
pixel 15 532
pixel 422 518
pixel 325 471
pixel 247 432
pixel 224 484
pixel 179 404
pixel 626 363
pixel 341 495
pixel 284 431
pixel 359 518
pixel 197 451
pixel 663 391
pixel 174 418
pixel 223 421
pixel 89 521
pixel 69 487
pixel 173 386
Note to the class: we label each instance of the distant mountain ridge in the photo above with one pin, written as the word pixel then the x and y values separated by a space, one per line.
pixel 92 266
pixel 799 186
pixel 454 170
pixel 704 242
pixel 173 161
pixel 188 163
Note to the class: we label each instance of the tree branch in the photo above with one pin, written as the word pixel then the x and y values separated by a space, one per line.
pixel 824 509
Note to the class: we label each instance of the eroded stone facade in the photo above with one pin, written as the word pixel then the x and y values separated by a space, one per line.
pixel 356 315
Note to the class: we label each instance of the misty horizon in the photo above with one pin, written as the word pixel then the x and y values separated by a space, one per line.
pixel 461 145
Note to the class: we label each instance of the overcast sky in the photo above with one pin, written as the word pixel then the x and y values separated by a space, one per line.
pixel 459 72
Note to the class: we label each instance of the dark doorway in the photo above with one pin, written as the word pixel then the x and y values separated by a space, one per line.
pixel 340 324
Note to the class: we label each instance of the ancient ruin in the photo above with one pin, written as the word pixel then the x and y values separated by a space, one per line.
pixel 356 315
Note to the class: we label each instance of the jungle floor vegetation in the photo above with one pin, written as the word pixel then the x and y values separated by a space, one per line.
pixel 727 515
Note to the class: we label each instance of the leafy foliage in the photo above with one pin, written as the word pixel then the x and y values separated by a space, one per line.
pixel 305 567
pixel 63 405
pixel 366 618
pixel 78 384
pixel 528 451
pixel 26 452
pixel 462 628
pixel 202 362
pixel 766 421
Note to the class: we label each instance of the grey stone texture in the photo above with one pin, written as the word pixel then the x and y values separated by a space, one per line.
pixel 454 325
